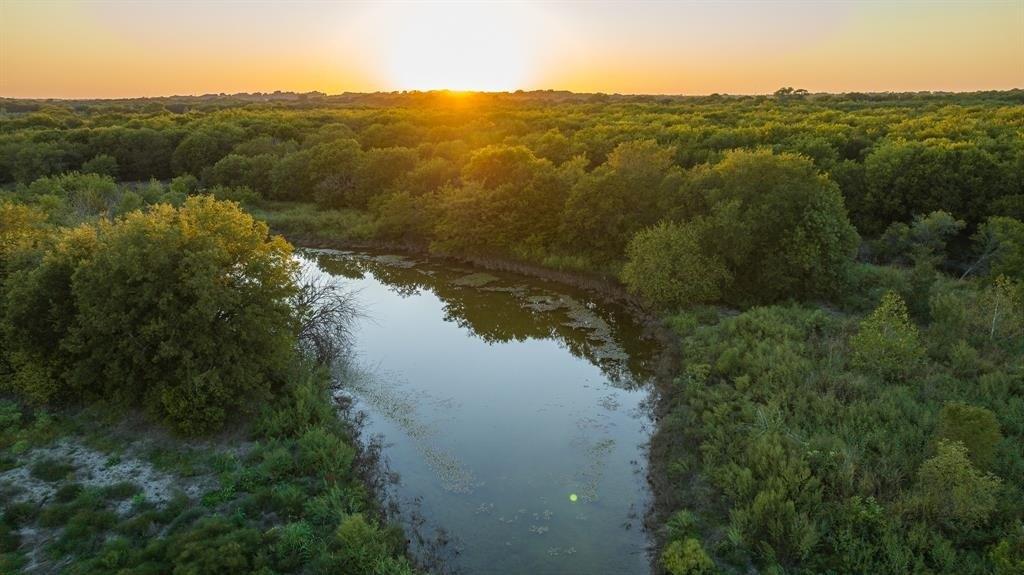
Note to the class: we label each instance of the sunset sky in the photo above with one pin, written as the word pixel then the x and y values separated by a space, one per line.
pixel 150 48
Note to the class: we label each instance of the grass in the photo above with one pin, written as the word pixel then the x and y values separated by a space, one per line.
pixel 51 470
pixel 275 508
pixel 307 220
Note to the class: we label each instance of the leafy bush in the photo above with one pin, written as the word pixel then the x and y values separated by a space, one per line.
pixel 325 454
pixel 924 239
pixel 359 547
pixel 779 227
pixel 1008 554
pixel 216 545
pixel 102 164
pixel 183 310
pixel 296 544
pixel 887 343
pixel 51 470
pixel 39 313
pixel 21 228
pixel 974 427
pixel 787 236
pixel 668 266
pixel 687 557
pixel 186 309
pixel 1000 245
pixel 951 492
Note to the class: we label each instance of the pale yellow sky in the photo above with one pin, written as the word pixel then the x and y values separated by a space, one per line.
pixel 121 48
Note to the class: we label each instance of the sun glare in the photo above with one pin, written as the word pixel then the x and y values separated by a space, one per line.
pixel 459 47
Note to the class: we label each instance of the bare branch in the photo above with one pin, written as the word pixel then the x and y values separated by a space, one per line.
pixel 327 312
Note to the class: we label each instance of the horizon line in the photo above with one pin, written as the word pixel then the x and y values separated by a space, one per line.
pixel 446 91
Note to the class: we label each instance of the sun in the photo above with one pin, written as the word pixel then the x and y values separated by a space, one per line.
pixel 461 47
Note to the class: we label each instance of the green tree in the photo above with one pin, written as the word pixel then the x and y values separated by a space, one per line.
pixel 21 228
pixel 909 177
pixel 79 197
pixel 188 308
pixel 510 204
pixel 622 196
pixel 102 164
pixel 430 175
pixel 184 310
pixel 687 557
pixel 233 170
pixel 1008 554
pixel 887 343
pixel 923 240
pixel 975 427
pixel 952 492
pixel 379 171
pixel 779 227
pixel 1000 247
pixel 333 170
pixel 668 266
pixel 204 147
pixel 39 313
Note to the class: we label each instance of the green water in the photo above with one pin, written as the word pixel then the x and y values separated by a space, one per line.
pixel 514 411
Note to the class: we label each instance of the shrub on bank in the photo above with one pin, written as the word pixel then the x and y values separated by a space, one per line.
pixel 183 310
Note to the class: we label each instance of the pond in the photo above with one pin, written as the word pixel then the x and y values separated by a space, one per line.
pixel 515 411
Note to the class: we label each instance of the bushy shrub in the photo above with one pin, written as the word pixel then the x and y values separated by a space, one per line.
pixel 887 343
pixel 325 454
pixel 773 229
pixel 51 469
pixel 300 404
pixel 667 266
pixel 101 164
pixel 276 462
pixel 185 310
pixel 296 544
pixel 778 225
pixel 1000 247
pixel 952 492
pixel 39 313
pixel 77 197
pixel 240 194
pixel 975 427
pixel 216 545
pixel 687 557
pixel 924 239
pixel 336 502
pixel 404 216
pixel 1008 555
pixel 21 228
pixel 359 546
pixel 287 499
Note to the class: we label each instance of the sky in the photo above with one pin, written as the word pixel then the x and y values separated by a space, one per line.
pixel 129 48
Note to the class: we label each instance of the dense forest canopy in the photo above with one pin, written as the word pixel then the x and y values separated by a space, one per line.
pixel 845 273
pixel 552 173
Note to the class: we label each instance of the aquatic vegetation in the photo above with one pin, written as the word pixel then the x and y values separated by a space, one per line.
pixel 475 280
pixel 390 397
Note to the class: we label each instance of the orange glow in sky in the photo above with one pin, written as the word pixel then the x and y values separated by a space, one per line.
pixel 56 48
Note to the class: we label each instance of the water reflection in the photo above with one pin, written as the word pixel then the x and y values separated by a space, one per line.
pixel 499 307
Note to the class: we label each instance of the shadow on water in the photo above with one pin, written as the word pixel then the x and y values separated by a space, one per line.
pixel 516 412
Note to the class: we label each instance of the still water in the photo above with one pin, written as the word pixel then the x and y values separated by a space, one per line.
pixel 514 410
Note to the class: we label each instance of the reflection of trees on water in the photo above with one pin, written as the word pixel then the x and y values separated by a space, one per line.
pixel 512 308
